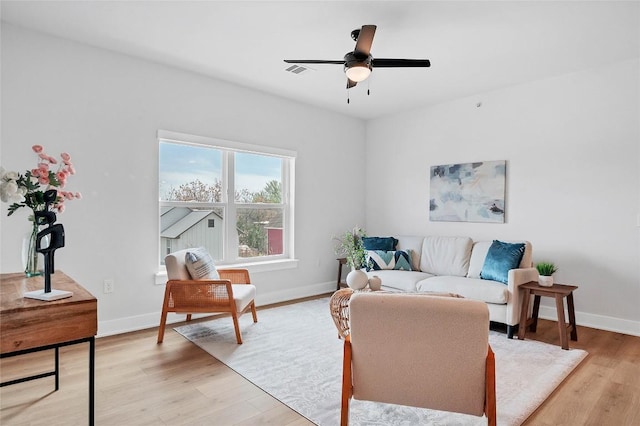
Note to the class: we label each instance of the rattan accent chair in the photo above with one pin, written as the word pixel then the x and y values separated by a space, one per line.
pixel 232 293
pixel 419 351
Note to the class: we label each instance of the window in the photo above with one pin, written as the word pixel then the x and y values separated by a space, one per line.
pixel 234 199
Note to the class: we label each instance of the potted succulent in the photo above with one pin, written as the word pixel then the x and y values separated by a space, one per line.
pixel 545 273
pixel 350 246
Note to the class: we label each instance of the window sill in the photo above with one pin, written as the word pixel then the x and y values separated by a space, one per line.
pixel 253 267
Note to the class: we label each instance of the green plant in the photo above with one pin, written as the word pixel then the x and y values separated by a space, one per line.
pixel 350 246
pixel 546 268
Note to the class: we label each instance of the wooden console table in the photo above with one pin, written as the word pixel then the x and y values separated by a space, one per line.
pixel 558 292
pixel 29 325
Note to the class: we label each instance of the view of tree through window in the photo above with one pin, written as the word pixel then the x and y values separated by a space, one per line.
pixel 194 181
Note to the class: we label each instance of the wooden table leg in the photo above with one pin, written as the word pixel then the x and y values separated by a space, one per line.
pixel 534 314
pixel 562 325
pixel 524 314
pixel 572 317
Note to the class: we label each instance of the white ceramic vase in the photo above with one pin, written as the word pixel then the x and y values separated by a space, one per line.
pixel 545 280
pixel 357 279
pixel 375 283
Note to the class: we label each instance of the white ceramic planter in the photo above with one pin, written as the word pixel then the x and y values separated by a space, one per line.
pixel 545 280
pixel 357 279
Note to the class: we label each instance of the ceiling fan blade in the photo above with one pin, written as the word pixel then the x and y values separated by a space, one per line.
pixel 350 83
pixel 313 61
pixel 365 39
pixel 399 63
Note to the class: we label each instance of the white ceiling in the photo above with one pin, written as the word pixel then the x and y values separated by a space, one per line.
pixel 474 46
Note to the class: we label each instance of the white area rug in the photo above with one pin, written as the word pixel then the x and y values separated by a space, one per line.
pixel 293 353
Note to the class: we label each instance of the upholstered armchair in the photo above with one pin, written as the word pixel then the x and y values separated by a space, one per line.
pixel 421 351
pixel 232 292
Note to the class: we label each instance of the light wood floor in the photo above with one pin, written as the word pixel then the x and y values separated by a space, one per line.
pixel 141 383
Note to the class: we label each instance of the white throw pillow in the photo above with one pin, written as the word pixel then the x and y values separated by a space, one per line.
pixel 200 264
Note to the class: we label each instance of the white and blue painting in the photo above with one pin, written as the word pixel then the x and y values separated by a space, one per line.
pixel 468 192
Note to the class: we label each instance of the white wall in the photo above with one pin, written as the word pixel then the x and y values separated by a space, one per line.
pixel 573 179
pixel 105 109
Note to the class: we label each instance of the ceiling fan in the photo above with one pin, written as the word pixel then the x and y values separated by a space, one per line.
pixel 359 63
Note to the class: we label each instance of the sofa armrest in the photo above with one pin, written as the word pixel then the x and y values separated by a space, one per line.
pixel 516 278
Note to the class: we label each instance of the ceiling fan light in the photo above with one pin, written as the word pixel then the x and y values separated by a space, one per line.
pixel 358 72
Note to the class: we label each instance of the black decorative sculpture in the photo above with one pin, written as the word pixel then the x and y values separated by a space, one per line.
pixel 55 234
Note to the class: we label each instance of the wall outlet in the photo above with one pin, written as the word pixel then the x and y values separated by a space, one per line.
pixel 108 286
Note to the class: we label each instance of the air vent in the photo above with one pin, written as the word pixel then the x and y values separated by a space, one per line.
pixel 297 69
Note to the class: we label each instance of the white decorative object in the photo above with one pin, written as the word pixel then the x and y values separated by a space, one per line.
pixel 545 280
pixel 357 279
pixel 375 283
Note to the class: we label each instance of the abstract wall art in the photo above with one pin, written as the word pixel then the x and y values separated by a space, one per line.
pixel 468 192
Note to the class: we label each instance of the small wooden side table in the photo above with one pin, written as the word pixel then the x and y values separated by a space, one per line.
pixel 340 283
pixel 558 292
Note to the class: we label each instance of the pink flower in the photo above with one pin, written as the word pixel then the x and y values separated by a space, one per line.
pixel 35 172
pixel 43 180
pixel 37 149
pixel 62 178
pixel 43 156
pixel 68 195
pixel 78 195
pixel 71 170
pixel 44 167
pixel 65 156
pixel 52 160
pixel 60 208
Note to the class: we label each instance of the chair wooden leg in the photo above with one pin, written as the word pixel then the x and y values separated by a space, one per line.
pixel 253 312
pixel 188 317
pixel 236 325
pixel 163 322
pixel 346 383
pixel 163 317
pixel 490 393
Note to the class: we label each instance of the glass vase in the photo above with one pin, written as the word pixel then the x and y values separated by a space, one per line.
pixel 30 257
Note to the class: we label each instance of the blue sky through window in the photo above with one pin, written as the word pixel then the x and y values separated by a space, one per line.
pixel 181 163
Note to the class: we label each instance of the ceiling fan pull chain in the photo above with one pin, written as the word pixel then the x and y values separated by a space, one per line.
pixel 347 96
pixel 368 86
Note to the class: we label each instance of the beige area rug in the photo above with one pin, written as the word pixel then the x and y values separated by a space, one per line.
pixel 293 353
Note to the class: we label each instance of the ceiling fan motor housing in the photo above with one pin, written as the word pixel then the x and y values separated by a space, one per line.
pixel 352 59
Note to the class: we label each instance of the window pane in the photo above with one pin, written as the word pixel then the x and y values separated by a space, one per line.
pixel 259 232
pixel 186 227
pixel 258 178
pixel 190 173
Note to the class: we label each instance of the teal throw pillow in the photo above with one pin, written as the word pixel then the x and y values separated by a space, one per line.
pixel 501 257
pixel 379 243
pixel 389 259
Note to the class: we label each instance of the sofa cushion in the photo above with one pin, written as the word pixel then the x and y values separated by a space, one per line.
pixel 400 280
pixel 470 288
pixel 379 243
pixel 479 253
pixel 501 258
pixel 446 255
pixel 380 259
pixel 413 243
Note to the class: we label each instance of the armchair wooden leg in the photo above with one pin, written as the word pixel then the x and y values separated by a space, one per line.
pixel 490 393
pixel 236 325
pixel 163 322
pixel 163 317
pixel 253 312
pixel 188 317
pixel 346 383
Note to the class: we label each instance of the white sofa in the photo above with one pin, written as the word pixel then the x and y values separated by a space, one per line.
pixel 453 265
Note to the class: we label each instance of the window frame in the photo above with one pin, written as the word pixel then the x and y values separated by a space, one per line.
pixel 285 260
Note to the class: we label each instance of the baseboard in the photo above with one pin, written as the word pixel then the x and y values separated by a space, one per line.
pixel 141 322
pixel 600 322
